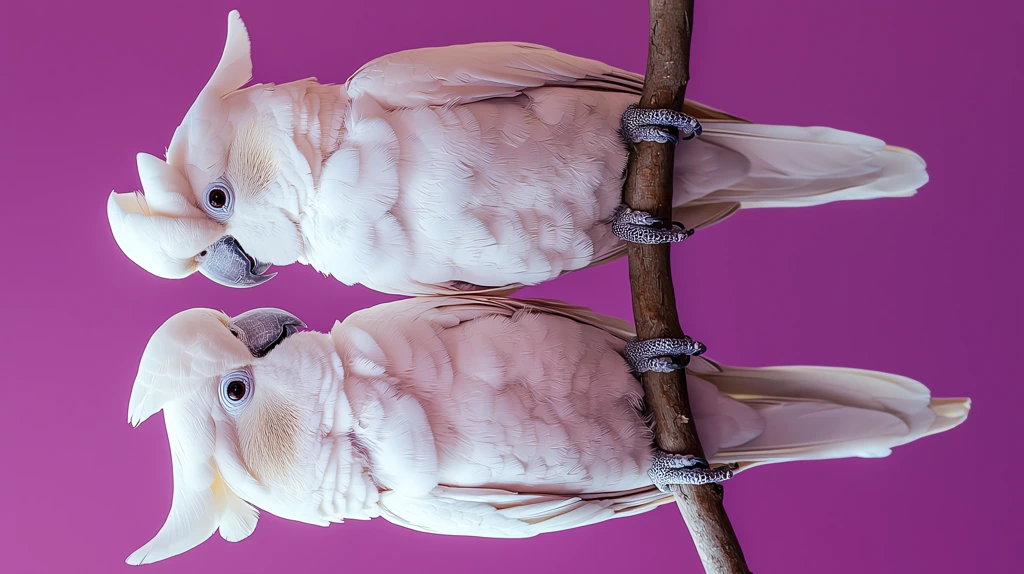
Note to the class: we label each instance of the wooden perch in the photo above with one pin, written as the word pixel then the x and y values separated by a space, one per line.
pixel 649 188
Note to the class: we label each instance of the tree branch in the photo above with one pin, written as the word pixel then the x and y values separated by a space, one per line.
pixel 649 188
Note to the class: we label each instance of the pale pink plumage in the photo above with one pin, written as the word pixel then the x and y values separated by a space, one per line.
pixel 494 165
pixel 475 416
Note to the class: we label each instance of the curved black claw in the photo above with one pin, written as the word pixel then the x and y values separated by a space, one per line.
pixel 661 355
pixel 641 227
pixel 640 124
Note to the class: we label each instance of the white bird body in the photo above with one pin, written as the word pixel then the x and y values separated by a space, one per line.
pixel 494 192
pixel 472 416
pixel 492 165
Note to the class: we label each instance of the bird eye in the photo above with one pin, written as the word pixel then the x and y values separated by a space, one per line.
pixel 236 390
pixel 218 200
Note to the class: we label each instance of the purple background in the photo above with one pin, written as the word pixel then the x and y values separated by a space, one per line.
pixel 928 287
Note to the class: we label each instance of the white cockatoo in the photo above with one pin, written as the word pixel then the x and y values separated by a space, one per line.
pixel 473 416
pixel 471 168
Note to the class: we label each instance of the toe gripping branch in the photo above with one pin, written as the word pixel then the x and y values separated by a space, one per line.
pixel 641 124
pixel 668 470
pixel 661 355
pixel 641 227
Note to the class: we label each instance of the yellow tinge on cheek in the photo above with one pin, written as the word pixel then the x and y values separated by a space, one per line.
pixel 252 161
pixel 218 482
pixel 268 437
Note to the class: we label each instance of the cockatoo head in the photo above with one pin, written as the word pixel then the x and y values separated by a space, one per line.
pixel 224 203
pixel 238 396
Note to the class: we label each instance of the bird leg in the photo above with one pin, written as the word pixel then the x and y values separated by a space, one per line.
pixel 661 355
pixel 640 124
pixel 677 469
pixel 664 355
pixel 637 125
pixel 639 227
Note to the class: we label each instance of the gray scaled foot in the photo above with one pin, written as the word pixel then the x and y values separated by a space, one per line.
pixel 669 470
pixel 661 355
pixel 640 124
pixel 641 227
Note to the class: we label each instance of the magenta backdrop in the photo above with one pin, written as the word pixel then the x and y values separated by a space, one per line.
pixel 928 287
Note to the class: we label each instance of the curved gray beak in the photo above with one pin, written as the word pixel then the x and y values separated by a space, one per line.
pixel 226 263
pixel 263 329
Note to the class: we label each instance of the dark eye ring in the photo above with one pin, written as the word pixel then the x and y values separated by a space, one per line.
pixel 217 197
pixel 236 390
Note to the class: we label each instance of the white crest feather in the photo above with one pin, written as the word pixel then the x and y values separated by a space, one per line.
pixel 235 67
pixel 167 191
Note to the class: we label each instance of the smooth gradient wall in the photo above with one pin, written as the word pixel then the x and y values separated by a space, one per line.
pixel 929 287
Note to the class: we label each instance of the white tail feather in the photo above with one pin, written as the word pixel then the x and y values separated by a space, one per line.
pixel 814 413
pixel 782 166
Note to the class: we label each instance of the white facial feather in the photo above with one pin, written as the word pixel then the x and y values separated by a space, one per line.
pixel 227 133
pixel 179 373
pixel 252 162
pixel 279 432
pixel 267 205
pixel 275 440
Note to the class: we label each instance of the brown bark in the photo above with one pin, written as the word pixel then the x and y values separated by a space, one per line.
pixel 649 188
